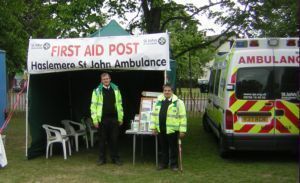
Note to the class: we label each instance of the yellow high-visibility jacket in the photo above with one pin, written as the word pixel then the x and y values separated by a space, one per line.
pixel 97 103
pixel 176 115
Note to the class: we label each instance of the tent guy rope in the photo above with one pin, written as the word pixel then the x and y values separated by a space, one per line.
pixel 7 120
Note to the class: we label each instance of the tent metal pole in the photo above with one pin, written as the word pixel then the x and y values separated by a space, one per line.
pixel 165 77
pixel 26 139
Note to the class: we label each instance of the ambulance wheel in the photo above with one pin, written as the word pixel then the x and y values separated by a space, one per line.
pixel 224 151
pixel 206 126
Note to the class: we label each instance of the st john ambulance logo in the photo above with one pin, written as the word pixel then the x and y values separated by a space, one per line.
pixel 162 40
pixel 46 46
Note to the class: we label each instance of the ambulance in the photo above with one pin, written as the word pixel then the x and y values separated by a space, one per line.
pixel 253 96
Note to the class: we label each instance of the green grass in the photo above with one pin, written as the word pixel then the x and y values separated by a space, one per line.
pixel 201 162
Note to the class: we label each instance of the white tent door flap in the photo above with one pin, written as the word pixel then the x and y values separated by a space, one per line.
pixel 3 159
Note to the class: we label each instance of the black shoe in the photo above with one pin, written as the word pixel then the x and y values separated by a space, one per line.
pixel 101 162
pixel 162 167
pixel 117 162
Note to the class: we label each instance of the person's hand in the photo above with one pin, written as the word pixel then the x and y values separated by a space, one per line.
pixel 181 135
pixel 120 123
pixel 154 132
pixel 96 125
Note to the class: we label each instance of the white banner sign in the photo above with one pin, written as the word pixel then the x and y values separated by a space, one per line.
pixel 143 52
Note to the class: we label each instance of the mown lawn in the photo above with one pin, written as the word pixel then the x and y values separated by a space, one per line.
pixel 200 159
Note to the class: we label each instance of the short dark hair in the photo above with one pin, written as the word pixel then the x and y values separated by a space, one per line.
pixel 167 85
pixel 104 74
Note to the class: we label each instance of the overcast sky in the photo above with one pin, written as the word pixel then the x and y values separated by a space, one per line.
pixel 206 23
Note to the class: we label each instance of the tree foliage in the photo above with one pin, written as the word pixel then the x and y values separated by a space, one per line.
pixel 184 35
pixel 12 34
pixel 250 18
pixel 75 18
pixel 22 19
pixel 259 18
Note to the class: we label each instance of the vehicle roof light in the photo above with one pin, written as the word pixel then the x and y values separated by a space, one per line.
pixel 291 42
pixel 254 43
pixel 273 42
pixel 241 44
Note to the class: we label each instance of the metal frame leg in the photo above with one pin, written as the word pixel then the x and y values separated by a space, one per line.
pixel 142 145
pixel 133 156
pixel 156 150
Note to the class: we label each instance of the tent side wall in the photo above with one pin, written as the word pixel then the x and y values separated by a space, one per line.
pixel 3 87
pixel 47 104
pixel 57 96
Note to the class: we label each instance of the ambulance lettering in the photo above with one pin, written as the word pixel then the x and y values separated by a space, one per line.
pixel 269 60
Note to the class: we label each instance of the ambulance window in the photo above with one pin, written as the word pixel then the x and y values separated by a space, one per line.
pixel 222 83
pixel 255 83
pixel 212 81
pixel 287 83
pixel 216 90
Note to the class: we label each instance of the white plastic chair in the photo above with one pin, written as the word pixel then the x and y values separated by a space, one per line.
pixel 91 129
pixel 54 135
pixel 76 133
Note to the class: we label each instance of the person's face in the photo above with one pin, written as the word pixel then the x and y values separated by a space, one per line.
pixel 168 92
pixel 105 80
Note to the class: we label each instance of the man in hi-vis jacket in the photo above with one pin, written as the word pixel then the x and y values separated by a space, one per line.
pixel 107 116
pixel 168 121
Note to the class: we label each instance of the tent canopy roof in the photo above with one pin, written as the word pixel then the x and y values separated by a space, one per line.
pixel 111 29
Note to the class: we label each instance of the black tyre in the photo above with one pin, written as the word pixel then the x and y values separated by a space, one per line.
pixel 206 126
pixel 224 150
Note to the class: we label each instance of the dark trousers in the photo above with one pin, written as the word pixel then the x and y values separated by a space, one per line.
pixel 169 149
pixel 108 134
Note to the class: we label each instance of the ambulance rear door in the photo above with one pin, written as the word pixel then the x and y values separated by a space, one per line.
pixel 286 92
pixel 252 102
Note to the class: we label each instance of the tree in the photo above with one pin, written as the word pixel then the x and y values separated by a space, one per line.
pixel 251 18
pixel 260 18
pixel 22 19
pixel 154 19
pixel 182 36
pixel 75 18
pixel 12 35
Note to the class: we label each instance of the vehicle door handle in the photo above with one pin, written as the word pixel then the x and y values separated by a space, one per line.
pixel 269 104
pixel 279 112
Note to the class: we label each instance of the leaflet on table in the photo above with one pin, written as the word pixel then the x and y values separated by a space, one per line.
pixel 142 123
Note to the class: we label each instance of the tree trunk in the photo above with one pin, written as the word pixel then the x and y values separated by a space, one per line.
pixel 152 17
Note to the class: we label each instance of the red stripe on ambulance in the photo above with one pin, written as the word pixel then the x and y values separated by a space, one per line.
pixel 235 118
pixel 267 128
pixel 281 128
pixel 232 100
pixel 233 78
pixel 247 105
pixel 267 108
pixel 245 128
